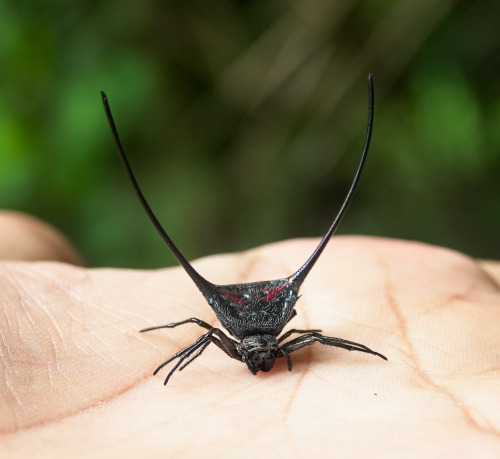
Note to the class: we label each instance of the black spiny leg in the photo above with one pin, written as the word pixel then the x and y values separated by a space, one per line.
pixel 222 341
pixel 200 351
pixel 194 320
pixel 295 330
pixel 184 354
pixel 282 353
pixel 313 337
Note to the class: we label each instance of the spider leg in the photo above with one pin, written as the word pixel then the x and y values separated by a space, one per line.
pixel 227 344
pixel 200 350
pixel 199 322
pixel 282 353
pixel 294 330
pixel 183 352
pixel 187 354
pixel 222 341
pixel 313 337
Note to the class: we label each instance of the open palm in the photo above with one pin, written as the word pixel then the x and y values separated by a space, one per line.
pixel 77 376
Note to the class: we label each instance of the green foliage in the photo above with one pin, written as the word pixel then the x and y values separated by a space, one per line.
pixel 244 121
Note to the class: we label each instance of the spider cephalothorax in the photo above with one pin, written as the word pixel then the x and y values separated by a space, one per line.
pixel 258 351
pixel 254 313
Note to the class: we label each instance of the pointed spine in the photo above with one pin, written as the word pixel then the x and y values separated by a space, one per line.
pixel 203 285
pixel 302 273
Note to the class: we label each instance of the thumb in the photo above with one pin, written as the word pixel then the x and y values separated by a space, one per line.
pixel 25 238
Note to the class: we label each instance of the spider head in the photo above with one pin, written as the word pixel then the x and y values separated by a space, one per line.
pixel 258 352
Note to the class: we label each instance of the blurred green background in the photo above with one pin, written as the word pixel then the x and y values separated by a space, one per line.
pixel 244 121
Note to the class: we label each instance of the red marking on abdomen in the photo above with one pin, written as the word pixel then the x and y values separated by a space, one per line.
pixel 274 292
pixel 234 298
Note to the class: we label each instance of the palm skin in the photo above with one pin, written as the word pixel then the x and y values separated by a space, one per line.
pixel 78 375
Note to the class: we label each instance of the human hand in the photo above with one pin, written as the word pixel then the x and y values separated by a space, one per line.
pixel 77 375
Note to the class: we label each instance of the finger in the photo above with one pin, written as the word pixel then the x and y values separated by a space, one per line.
pixel 25 238
pixel 492 268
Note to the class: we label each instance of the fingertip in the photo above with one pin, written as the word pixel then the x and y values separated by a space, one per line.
pixel 26 238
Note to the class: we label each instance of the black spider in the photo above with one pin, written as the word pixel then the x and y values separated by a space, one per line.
pixel 254 313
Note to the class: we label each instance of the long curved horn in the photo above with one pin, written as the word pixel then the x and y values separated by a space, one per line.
pixel 204 285
pixel 301 274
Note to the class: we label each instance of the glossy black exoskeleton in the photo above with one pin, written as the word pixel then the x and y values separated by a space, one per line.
pixel 254 313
